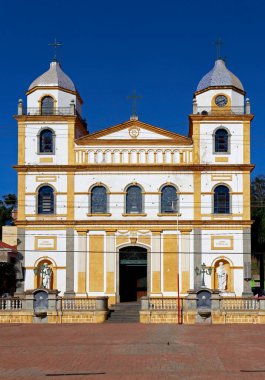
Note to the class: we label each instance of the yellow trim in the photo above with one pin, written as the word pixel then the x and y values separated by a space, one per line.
pixel 43 160
pixel 225 237
pixel 106 214
pixel 221 177
pixel 170 261
pixel 52 248
pixel 221 159
pixel 169 214
pixel 134 215
pixel 43 178
pixel 224 109
pixel 21 196
pixel 196 142
pixel 71 145
pixel 70 195
pixel 246 142
pixel 21 143
pixel 197 195
pixel 246 196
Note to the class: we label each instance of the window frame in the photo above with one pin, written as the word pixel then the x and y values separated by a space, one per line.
pixel 39 142
pixel 228 141
pixel 229 199
pixel 37 199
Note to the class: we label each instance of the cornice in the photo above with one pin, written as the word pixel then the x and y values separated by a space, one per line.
pixel 220 116
pixel 55 88
pixel 131 222
pixel 220 88
pixel 161 142
pixel 134 167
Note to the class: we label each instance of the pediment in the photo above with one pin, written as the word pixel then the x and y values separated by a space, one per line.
pixel 133 132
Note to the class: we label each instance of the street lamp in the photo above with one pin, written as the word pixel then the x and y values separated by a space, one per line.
pixel 204 270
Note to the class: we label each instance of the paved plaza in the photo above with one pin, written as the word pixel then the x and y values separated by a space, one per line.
pixel 132 351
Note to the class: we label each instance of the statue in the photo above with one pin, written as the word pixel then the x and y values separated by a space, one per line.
pixel 221 275
pixel 46 276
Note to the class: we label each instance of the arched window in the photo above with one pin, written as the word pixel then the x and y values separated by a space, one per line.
pixel 99 200
pixel 46 141
pixel 221 141
pixel 47 104
pixel 134 201
pixel 169 199
pixel 221 200
pixel 46 200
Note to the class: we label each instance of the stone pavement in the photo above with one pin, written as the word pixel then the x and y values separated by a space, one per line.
pixel 131 351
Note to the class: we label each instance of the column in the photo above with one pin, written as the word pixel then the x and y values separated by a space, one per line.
pixel 110 262
pixel 185 261
pixel 82 261
pixel 70 255
pixel 20 264
pixel 197 253
pixel 156 262
pixel 247 262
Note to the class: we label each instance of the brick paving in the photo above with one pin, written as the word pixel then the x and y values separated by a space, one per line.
pixel 131 351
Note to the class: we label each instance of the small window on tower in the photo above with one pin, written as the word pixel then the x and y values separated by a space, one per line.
pixel 46 200
pixel 46 141
pixel 221 141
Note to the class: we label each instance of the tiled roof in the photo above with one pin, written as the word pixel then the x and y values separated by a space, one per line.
pixel 7 246
pixel 219 76
pixel 54 77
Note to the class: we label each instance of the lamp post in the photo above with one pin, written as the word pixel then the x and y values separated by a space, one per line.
pixel 204 270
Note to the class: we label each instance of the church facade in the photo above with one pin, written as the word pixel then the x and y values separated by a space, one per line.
pixel 134 209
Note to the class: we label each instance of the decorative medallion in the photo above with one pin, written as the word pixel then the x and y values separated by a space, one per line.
pixel 134 132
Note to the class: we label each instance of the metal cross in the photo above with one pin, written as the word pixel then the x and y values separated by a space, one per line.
pixel 218 43
pixel 55 45
pixel 134 98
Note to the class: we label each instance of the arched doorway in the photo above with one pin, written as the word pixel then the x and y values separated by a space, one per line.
pixel 132 273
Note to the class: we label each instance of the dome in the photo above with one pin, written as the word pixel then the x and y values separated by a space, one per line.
pixel 54 77
pixel 219 76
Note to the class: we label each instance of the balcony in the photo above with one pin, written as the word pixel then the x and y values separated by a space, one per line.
pixel 214 111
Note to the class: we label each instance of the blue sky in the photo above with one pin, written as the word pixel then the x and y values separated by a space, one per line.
pixel 160 48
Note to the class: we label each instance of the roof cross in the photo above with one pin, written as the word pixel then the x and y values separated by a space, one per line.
pixel 134 97
pixel 55 45
pixel 218 43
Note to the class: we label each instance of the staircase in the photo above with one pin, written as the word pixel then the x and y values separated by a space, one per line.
pixel 125 312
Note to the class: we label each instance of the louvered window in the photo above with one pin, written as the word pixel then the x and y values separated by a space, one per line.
pixel 46 200
pixel 46 141
pixel 221 141
pixel 221 200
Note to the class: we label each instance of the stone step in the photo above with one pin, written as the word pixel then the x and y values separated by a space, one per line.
pixel 124 313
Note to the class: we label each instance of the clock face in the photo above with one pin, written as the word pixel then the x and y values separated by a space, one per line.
pixel 221 101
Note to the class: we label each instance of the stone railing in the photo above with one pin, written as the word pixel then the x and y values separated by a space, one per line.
pixel 241 303
pixel 10 303
pixel 163 303
pixel 78 304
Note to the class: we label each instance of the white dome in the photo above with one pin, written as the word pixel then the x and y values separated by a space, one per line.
pixel 54 77
pixel 219 76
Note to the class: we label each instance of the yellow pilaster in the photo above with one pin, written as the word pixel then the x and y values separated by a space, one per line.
pixel 170 272
pixel 185 261
pixel 21 196
pixel 70 196
pixel 71 137
pixel 246 142
pixel 96 263
pixel 21 143
pixel 197 195
pixel 246 196
pixel 196 142
pixel 82 254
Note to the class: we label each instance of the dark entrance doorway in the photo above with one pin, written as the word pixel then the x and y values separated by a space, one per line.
pixel 133 273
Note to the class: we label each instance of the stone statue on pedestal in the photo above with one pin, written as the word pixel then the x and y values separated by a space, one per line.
pixel 46 276
pixel 222 276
